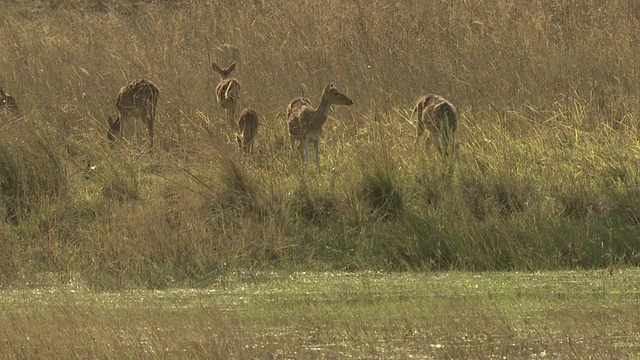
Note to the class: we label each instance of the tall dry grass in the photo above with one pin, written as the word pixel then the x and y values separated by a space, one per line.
pixel 545 177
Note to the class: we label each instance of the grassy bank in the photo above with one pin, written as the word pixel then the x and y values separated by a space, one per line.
pixel 546 176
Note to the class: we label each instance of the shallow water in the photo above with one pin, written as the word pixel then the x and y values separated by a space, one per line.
pixel 363 315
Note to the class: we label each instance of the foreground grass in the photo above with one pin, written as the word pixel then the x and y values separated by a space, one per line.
pixel 560 315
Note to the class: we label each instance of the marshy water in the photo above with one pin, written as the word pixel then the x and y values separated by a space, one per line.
pixel 573 314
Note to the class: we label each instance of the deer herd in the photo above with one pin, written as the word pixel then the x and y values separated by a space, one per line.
pixel 139 98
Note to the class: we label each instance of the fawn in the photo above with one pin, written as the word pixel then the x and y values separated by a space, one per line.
pixel 248 128
pixel 137 99
pixel 441 119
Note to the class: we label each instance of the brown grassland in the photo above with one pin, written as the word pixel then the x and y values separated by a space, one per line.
pixel 545 175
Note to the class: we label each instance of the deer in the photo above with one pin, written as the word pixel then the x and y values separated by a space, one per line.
pixel 8 102
pixel 247 129
pixel 227 90
pixel 138 99
pixel 296 103
pixel 440 117
pixel 305 122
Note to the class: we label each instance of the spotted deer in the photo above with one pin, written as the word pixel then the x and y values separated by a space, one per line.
pixel 440 117
pixel 305 122
pixel 227 90
pixel 8 102
pixel 137 99
pixel 247 129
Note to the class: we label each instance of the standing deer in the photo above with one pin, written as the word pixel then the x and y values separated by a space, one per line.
pixel 296 103
pixel 305 123
pixel 441 119
pixel 137 99
pixel 248 128
pixel 7 102
pixel 227 90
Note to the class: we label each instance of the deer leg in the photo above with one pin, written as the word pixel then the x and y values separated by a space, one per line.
pixel 294 147
pixel 431 143
pixel 230 113
pixel 239 140
pixel 136 121
pixel 438 142
pixel 451 140
pixel 306 152
pixel 121 134
pixel 121 129
pixel 246 146
pixel 445 144
pixel 315 146
pixel 150 130
pixel 420 128
pixel 420 131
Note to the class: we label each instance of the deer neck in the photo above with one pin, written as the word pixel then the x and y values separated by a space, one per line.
pixel 321 114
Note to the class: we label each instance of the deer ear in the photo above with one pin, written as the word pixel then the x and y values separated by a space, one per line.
pixel 216 68
pixel 231 67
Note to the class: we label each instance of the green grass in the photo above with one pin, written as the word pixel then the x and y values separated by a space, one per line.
pixel 521 245
pixel 561 315
pixel 545 176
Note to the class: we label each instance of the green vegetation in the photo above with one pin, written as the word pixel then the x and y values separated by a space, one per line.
pixel 258 258
pixel 545 177
pixel 447 315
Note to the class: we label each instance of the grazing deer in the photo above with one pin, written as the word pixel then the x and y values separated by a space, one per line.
pixel 305 123
pixel 7 102
pixel 137 99
pixel 227 90
pixel 248 128
pixel 441 119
